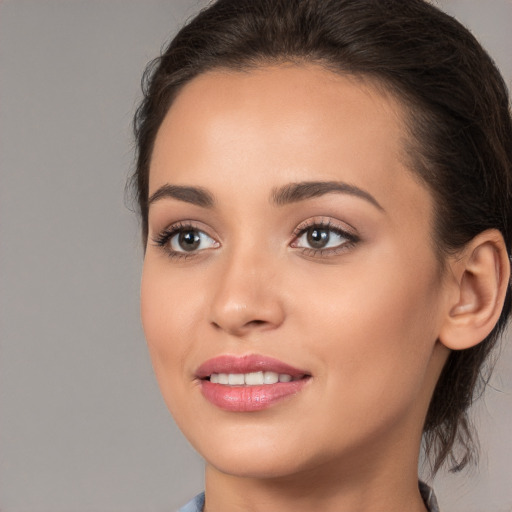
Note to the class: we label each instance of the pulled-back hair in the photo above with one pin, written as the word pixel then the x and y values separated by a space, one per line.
pixel 457 116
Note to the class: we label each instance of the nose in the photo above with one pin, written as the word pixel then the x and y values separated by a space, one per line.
pixel 247 296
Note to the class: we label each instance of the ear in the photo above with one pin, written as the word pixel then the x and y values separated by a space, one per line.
pixel 480 278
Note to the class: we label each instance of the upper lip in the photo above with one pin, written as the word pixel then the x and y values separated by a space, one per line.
pixel 246 364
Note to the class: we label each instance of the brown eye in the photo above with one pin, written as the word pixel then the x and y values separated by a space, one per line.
pixel 189 240
pixel 317 238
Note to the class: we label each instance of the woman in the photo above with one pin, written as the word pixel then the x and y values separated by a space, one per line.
pixel 325 190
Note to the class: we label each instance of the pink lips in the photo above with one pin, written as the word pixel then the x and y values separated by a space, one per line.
pixel 246 398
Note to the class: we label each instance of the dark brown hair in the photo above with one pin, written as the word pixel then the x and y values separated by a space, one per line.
pixel 458 118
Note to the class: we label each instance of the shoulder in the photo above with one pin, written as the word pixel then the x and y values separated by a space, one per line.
pixel 429 497
pixel 197 504
pixel 194 505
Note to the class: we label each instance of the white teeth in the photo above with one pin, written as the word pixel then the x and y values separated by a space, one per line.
pixel 236 379
pixel 254 378
pixel 270 377
pixel 249 379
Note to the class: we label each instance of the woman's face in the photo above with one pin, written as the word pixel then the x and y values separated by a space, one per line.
pixel 289 240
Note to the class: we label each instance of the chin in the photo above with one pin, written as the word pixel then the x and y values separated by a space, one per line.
pixel 263 465
pixel 247 453
pixel 262 457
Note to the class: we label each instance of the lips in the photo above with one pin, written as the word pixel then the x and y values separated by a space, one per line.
pixel 249 383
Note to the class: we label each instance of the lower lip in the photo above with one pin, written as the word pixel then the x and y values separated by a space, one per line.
pixel 249 398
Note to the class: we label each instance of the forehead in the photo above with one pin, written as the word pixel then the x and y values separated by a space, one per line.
pixel 288 123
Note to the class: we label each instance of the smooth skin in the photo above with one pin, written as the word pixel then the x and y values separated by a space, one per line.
pixel 371 316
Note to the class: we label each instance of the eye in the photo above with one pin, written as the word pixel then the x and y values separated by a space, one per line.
pixel 324 238
pixel 317 237
pixel 190 240
pixel 182 240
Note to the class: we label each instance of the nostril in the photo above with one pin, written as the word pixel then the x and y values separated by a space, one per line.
pixel 238 317
pixel 256 322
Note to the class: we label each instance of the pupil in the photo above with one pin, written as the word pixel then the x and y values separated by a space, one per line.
pixel 318 238
pixel 189 240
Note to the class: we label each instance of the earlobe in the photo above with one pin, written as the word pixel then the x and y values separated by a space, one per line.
pixel 481 277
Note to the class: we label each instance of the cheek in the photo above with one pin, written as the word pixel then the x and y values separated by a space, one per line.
pixel 375 329
pixel 167 314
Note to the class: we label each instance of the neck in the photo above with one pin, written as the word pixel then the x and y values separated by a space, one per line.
pixel 375 483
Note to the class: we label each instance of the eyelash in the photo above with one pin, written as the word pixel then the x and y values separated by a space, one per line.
pixel 324 225
pixel 163 239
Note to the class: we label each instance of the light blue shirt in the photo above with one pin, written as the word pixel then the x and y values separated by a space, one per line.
pixel 197 504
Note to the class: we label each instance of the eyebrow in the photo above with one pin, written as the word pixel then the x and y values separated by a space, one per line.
pixel 194 195
pixel 295 192
pixel 291 193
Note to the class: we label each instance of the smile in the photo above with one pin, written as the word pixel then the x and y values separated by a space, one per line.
pixel 249 383
pixel 250 379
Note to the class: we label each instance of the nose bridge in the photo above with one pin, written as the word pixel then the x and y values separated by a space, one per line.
pixel 246 296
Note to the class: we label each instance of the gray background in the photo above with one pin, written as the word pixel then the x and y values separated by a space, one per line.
pixel 82 423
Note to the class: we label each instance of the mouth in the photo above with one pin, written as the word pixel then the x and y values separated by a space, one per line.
pixel 249 383
pixel 251 378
